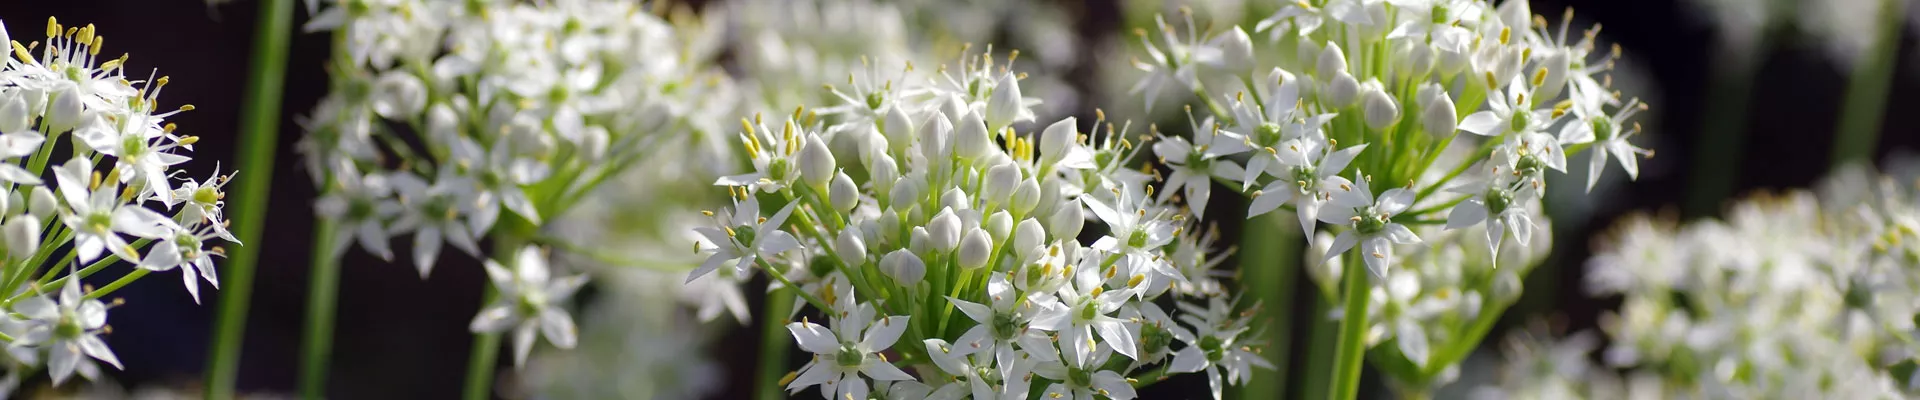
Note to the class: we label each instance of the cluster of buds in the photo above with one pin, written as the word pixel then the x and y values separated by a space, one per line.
pixel 1797 295
pixel 115 197
pixel 453 121
pixel 951 229
pixel 1351 118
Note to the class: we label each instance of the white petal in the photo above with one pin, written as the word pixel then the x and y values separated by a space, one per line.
pixel 558 327
pixel 1484 123
pixel 493 319
pixel 881 336
pixel 882 370
pixel 1466 214
pixel 814 338
pixel 522 343
pixel 1341 244
pixel 1189 359
pixel 852 387
pixel 978 312
pixel 1270 198
pixel 426 249
pixel 1395 200
pixel 1116 335
pixel 93 346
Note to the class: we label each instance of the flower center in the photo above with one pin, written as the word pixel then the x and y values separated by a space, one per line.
pixel 1154 338
pixel 1198 162
pixel 1371 222
pixel 778 169
pixel 1306 178
pixel 1439 14
pixel 1498 199
pixel 744 234
pixel 206 195
pixel 1077 377
pixel 1137 239
pixel 1602 129
pixel 531 304
pixel 849 357
pixel 1268 133
pixel 99 221
pixel 1214 347
pixel 1521 118
pixel 68 327
pixel 1004 327
pixel 874 100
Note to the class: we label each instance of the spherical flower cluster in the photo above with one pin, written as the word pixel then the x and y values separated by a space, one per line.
pixel 1797 295
pixel 951 240
pixel 1350 115
pixel 455 121
pixel 115 197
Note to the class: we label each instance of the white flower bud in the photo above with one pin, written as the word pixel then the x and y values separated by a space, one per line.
pixel 953 108
pixel 22 235
pixel 1332 61
pixel 1026 197
pixel 1067 220
pixel 1439 115
pixel 943 230
pixel 1001 181
pixel 816 162
pixel 936 139
pixel 1342 91
pixel 904 267
pixel 905 193
pixel 1506 286
pixel 1236 50
pixel 1006 107
pixel 1028 238
pixel 843 193
pixel 65 111
pixel 1054 140
pixel 883 230
pixel 41 204
pixel 850 247
pixel 971 140
pixel 1000 224
pixel 954 198
pixel 594 141
pixel 1419 59
pixel 975 249
pixel 13 113
pixel 1306 49
pixel 918 241
pixel 1049 195
pixel 883 172
pixel 898 127
pixel 1379 107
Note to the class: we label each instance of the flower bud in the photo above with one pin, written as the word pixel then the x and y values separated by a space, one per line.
pixel 1506 286
pixel 1006 107
pixel 955 199
pixel 1438 114
pixel 816 162
pixel 16 202
pixel 851 248
pixel 594 141
pixel 1000 224
pixel 13 113
pixel 905 193
pixel 398 95
pixel 1028 238
pixel 898 127
pixel 936 140
pixel 843 193
pixel 1555 80
pixel 917 240
pixel 1236 50
pixel 22 235
pixel 1419 60
pixel 1342 91
pixel 943 230
pixel 883 172
pixel 1001 181
pixel 1026 197
pixel 65 110
pixel 1306 49
pixel 1379 107
pixel 970 139
pixel 904 267
pixel 975 249
pixel 1067 220
pixel 1055 139
pixel 1332 61
pixel 41 204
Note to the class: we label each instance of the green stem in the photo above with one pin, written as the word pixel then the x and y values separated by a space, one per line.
pixel 1271 259
pixel 1352 344
pixel 249 205
pixel 323 284
pixel 119 283
pixel 774 345
pixel 1865 105
pixel 1722 132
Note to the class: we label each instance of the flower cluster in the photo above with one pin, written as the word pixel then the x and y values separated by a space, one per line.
pixel 951 240
pixel 1796 295
pixel 114 195
pixel 457 121
pixel 1351 116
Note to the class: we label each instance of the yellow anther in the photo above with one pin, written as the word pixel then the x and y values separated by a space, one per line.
pixel 1137 278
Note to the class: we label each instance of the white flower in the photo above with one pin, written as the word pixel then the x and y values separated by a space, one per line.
pixel 139 155
pixel 775 158
pixel 528 304
pixel 1085 309
pixel 1215 345
pixel 975 374
pixel 69 330
pixel 99 216
pixel 1371 223
pixel 746 237
pixel 1135 234
pixel 204 200
pixel 433 212
pixel 184 247
pixel 850 349
pixel 1495 201
pixel 1312 172
pixel 360 205
pixel 1177 66
pixel 1003 323
pixel 1195 164
pixel 499 173
pixel 1081 377
pixel 1608 135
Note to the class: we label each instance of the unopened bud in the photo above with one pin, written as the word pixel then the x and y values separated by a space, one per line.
pixel 1380 109
pixel 1332 61
pixel 943 230
pixel 904 267
pixel 1236 50
pixel 64 110
pixel 1028 238
pixel 936 139
pixel 898 128
pixel 843 193
pixel 816 162
pixel 22 234
pixel 1025 197
pixel 1005 107
pixel 42 204
pixel 1342 91
pixel 976 249
pixel 14 117
pixel 1438 114
pixel 970 139
pixel 851 248
pixel 1054 140
pixel 1067 220
pixel 1000 224
pixel 1002 180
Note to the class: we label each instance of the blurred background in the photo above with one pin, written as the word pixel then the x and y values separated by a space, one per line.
pixel 1746 96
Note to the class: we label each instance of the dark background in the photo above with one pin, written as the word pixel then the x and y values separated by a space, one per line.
pixel 400 337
